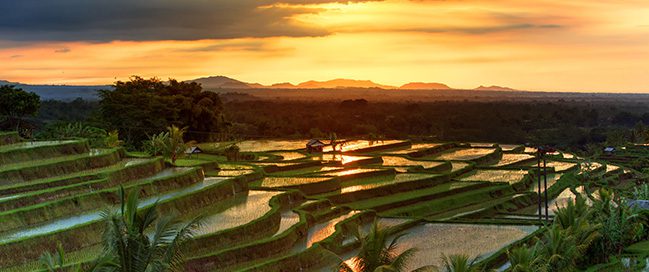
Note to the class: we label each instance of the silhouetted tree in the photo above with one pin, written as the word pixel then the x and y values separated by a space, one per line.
pixel 15 104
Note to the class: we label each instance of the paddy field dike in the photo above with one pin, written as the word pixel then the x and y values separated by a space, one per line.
pixel 284 209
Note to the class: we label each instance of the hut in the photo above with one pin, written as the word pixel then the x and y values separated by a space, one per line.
pixel 314 145
pixel 193 150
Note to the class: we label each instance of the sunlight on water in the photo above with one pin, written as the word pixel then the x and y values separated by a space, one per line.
pixel 387 180
pixel 509 159
pixel 359 144
pixel 509 147
pixel 287 156
pixel 433 240
pixel 347 172
pixel 87 217
pixel 272 182
pixel 289 219
pixel 400 161
pixel 234 173
pixel 255 205
pixel 413 148
pixel 344 159
pixel 464 154
pixel 321 231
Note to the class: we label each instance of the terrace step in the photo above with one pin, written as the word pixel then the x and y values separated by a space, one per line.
pixel 84 230
pixel 30 170
pixel 444 204
pixel 82 176
pixel 125 172
pixel 412 197
pixel 476 208
pixel 167 180
pixel 9 137
pixel 29 151
pixel 373 187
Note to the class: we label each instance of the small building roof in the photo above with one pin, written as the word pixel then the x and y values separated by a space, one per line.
pixel 315 142
pixel 193 150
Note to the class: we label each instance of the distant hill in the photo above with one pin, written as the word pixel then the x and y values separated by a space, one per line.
pixel 61 92
pixel 425 86
pixel 341 83
pixel 494 88
pixel 221 82
pixel 284 85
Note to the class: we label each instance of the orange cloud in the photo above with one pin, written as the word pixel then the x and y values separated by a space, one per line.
pixel 544 45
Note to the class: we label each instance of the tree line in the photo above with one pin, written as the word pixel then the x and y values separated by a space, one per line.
pixel 140 108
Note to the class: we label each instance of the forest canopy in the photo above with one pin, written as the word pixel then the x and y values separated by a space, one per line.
pixel 142 107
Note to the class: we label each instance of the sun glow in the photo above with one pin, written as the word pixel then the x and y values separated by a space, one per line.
pixel 552 45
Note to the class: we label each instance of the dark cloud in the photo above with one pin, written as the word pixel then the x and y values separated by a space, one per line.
pixel 62 50
pixel 16 56
pixel 107 20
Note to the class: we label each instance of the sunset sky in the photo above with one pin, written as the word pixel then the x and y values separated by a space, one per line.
pixel 550 45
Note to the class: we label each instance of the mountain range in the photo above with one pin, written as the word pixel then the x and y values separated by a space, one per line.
pixel 222 82
pixel 89 92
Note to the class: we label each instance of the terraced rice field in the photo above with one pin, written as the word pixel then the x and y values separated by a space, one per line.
pixel 289 155
pixel 511 159
pixel 335 157
pixel 509 176
pixel 361 144
pixel 463 154
pixel 433 240
pixel 276 182
pixel 413 148
pixel 267 213
pixel 401 162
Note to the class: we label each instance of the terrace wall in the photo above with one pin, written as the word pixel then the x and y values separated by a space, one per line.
pixel 35 152
pixel 62 167
pixel 83 236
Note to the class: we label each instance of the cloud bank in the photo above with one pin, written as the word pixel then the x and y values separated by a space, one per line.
pixel 146 20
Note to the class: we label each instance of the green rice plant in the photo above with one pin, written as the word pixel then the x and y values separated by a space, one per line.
pixel 66 131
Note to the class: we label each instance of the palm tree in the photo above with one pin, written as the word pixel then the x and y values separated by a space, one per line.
pixel 142 241
pixel 176 144
pixel 459 263
pixel 524 259
pixel 376 254
pixel 559 248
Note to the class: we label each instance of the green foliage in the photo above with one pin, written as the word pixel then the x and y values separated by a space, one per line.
pixel 583 235
pixel 156 145
pixel 169 144
pixel 16 104
pixel 621 224
pixel 232 152
pixel 112 139
pixel 131 248
pixel 141 107
pixel 459 263
pixel 97 137
pixel 527 259
pixel 377 254
pixel 641 192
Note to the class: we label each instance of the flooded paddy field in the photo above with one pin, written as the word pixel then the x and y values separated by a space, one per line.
pixel 281 202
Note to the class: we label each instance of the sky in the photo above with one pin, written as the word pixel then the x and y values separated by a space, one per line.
pixel 546 45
